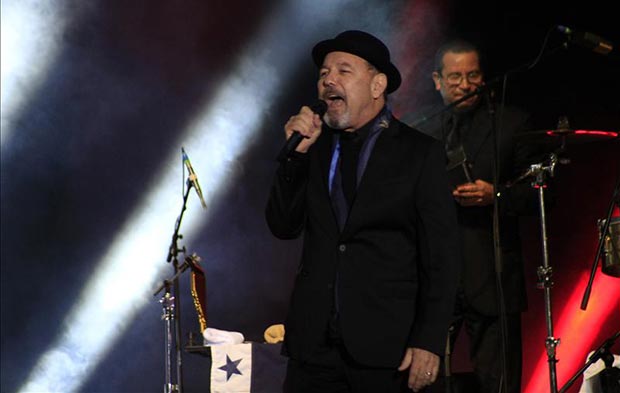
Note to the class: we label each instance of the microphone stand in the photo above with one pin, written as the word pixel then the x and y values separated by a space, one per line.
pixel 615 200
pixel 169 304
pixel 172 305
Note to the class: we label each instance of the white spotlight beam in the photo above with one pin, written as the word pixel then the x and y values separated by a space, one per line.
pixel 127 274
pixel 31 32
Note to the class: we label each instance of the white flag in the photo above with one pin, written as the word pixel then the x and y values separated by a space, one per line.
pixel 231 368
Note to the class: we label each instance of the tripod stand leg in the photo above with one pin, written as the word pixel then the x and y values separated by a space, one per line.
pixel 168 304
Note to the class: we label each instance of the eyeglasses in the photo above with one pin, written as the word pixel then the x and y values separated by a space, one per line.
pixel 456 78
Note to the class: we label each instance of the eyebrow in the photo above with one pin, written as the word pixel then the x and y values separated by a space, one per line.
pixel 341 64
pixel 467 73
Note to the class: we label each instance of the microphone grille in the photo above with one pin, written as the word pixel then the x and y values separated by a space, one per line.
pixel 319 107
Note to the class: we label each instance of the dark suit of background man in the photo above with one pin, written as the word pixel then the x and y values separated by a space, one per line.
pixel 375 287
pixel 466 131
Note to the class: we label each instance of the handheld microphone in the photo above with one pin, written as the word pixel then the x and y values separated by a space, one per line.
pixel 193 178
pixel 587 40
pixel 319 107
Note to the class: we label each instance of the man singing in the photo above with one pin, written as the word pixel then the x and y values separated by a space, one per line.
pixel 376 283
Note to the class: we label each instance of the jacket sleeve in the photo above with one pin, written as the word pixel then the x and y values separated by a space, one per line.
pixel 286 210
pixel 439 256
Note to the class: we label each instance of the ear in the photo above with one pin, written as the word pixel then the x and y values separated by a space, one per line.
pixel 436 79
pixel 378 85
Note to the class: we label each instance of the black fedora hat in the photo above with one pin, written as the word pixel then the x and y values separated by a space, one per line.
pixel 364 45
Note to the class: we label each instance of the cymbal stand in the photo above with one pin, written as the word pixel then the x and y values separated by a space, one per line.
pixel 545 271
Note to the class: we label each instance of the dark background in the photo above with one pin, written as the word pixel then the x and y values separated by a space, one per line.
pixel 131 75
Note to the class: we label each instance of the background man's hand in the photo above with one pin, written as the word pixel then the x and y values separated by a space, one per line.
pixel 479 193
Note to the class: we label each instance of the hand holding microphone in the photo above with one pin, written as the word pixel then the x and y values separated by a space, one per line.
pixel 303 129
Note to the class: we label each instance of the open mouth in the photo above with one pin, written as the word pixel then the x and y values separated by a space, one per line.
pixel 334 99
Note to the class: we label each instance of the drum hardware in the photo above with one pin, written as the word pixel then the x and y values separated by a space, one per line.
pixel 608 240
pixel 614 267
pixel 563 134
pixel 611 246
pixel 540 172
pixel 545 281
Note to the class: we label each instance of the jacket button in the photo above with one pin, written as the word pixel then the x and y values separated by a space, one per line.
pixel 342 248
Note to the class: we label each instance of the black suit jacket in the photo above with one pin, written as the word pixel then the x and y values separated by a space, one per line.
pixel 396 258
pixel 476 223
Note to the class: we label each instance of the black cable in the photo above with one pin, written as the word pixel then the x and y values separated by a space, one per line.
pixel 496 236
pixel 497 128
pixel 496 233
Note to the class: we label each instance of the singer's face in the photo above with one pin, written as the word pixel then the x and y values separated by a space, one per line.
pixel 460 75
pixel 353 90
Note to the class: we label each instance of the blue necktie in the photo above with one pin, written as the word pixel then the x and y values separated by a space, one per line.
pixel 339 202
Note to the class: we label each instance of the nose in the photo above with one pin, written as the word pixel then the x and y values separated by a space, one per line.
pixel 465 83
pixel 328 80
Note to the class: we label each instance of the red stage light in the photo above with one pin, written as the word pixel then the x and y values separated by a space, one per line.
pixel 594 133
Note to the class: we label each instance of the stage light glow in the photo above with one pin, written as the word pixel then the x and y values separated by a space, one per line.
pixel 609 134
pixel 595 133
pixel 31 32
pixel 577 330
pixel 135 262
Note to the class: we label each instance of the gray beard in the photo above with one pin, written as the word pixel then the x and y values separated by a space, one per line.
pixel 339 123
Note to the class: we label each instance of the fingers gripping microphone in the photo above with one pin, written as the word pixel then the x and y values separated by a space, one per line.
pixel 587 40
pixel 193 178
pixel 320 107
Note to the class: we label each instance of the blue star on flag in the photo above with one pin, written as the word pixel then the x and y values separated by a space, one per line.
pixel 231 367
